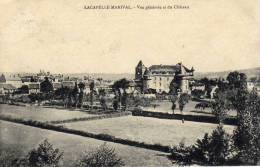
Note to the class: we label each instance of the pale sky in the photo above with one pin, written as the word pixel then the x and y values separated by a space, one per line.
pixel 62 37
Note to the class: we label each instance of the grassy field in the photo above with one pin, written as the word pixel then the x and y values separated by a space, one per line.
pixel 165 107
pixel 23 138
pixel 40 113
pixel 148 130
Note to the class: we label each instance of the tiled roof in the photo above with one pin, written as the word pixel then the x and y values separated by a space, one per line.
pixel 164 69
pixel 7 86
pixel 69 84
pixel 56 85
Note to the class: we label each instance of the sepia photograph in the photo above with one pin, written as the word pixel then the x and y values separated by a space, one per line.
pixel 130 83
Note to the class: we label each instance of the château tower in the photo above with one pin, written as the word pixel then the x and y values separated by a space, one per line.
pixel 139 70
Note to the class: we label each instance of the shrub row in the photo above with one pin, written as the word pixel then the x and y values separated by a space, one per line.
pixel 196 118
pixel 13 104
pixel 110 115
pixel 104 137
pixel 95 110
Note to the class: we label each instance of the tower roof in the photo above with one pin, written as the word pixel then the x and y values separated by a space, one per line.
pixel 140 63
pixel 2 78
pixel 147 72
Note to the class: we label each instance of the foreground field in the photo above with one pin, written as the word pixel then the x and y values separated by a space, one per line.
pixel 148 130
pixel 40 113
pixel 24 138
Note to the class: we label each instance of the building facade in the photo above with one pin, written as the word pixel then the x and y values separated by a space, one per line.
pixel 160 77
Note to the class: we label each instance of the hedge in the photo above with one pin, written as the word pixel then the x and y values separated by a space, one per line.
pixel 110 115
pixel 196 118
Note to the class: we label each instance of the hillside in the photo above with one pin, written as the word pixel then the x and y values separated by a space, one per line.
pixel 252 72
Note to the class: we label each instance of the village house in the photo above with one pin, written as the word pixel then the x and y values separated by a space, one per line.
pixel 159 77
pixel 197 86
pixel 56 85
pixel 6 88
pixel 34 87
pixel 15 81
pixel 68 84
pixel 250 85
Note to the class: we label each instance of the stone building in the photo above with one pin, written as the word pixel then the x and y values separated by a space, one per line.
pixel 159 77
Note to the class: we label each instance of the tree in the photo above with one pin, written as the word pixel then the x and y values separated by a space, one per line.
pixel 115 103
pixel 238 92
pixel 237 80
pixel 213 149
pixel 103 156
pixel 75 93
pixel 220 106
pixel 117 86
pixel 247 134
pixel 91 87
pixel 219 146
pixel 102 99
pixel 173 100
pixel 81 94
pixel 174 85
pixel 63 93
pixel 183 100
pixel 46 86
pixel 23 89
pixel 124 100
pixel 44 156
pixel 103 103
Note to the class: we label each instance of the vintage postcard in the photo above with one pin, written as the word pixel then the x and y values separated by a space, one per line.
pixel 111 83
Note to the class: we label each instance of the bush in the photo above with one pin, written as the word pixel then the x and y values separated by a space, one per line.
pixel 182 155
pixel 247 134
pixel 218 148
pixel 221 106
pixel 183 100
pixel 211 150
pixel 44 156
pixel 202 105
pixel 139 101
pixel 103 156
pixel 197 93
